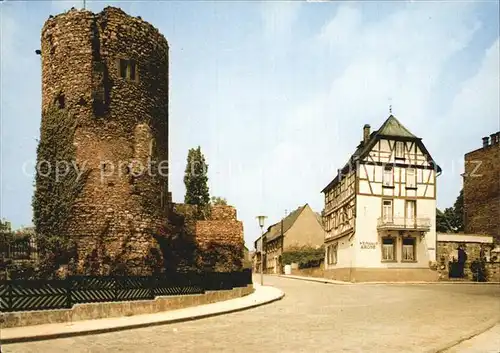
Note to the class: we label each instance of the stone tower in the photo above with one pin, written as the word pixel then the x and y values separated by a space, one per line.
pixel 108 72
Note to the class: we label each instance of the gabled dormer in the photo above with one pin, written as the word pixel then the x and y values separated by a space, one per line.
pixel 393 143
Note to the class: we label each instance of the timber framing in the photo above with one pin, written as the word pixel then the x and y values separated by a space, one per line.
pixel 390 164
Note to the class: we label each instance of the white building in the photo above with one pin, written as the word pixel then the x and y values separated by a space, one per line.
pixel 380 209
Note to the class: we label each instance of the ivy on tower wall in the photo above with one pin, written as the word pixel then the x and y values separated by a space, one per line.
pixel 58 183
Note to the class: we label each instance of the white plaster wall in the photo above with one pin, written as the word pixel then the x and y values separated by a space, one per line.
pixel 345 253
pixel 369 209
pixel 427 208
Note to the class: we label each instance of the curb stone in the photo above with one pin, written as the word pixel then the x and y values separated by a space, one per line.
pixel 316 279
pixel 328 281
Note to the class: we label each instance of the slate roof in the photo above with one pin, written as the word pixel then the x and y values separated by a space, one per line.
pixel 274 231
pixel 391 127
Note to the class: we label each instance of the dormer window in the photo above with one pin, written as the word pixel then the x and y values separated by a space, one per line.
pixel 400 153
pixel 128 69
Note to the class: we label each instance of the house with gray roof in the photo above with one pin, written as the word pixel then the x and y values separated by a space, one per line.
pixel 300 228
pixel 380 209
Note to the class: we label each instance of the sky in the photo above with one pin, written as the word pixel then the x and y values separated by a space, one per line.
pixel 277 93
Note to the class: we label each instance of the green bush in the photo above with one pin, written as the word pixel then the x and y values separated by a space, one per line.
pixel 479 271
pixel 305 256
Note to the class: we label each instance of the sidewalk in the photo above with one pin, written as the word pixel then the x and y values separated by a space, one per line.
pixel 315 279
pixel 262 295
pixel 486 342
pixel 331 281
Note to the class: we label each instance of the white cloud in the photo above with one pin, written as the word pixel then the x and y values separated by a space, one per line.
pixel 399 57
pixel 474 113
pixel 480 94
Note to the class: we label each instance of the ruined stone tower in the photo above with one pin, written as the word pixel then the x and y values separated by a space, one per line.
pixel 108 73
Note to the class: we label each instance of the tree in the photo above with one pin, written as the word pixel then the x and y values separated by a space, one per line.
pixel 216 200
pixel 442 223
pixel 458 208
pixel 196 180
pixel 452 218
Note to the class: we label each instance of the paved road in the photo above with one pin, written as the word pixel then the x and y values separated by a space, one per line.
pixel 487 342
pixel 313 317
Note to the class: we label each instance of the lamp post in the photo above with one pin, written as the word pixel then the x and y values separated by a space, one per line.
pixel 262 244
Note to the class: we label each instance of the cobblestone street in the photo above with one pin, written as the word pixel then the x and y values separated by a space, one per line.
pixel 313 317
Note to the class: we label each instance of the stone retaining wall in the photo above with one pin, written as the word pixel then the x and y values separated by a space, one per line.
pixel 92 311
pixel 310 272
pixel 370 274
pixel 447 251
pixel 493 269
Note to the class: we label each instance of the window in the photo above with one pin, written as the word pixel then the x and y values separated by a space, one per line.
pixel 408 253
pixel 60 101
pixel 123 68
pixel 332 254
pixel 132 70
pixel 388 176
pixel 128 69
pixel 411 178
pixel 388 249
pixel 400 154
pixel 387 210
pixel 411 212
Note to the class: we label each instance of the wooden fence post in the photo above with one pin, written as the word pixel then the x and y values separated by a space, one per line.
pixel 69 285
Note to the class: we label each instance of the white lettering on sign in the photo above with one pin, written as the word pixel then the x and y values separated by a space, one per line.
pixel 367 245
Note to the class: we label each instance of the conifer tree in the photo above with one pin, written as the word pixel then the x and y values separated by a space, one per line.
pixel 196 179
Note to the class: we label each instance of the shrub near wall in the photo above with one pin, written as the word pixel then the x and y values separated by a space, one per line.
pixel 304 256
pixel 479 271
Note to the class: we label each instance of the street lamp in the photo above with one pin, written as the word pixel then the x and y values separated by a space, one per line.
pixel 262 244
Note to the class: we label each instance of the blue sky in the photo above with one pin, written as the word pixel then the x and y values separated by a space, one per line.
pixel 276 93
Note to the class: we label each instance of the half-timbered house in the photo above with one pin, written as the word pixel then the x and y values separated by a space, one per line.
pixel 380 209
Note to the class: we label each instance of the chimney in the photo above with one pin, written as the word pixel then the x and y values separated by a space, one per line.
pixel 485 141
pixel 493 139
pixel 366 133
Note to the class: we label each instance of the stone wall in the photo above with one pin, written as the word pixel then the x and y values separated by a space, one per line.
pixel 446 251
pixel 219 238
pixel 493 269
pixel 310 272
pixel 121 132
pixel 482 189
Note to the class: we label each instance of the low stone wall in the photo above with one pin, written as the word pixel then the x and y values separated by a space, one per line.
pixel 447 251
pixel 370 274
pixel 310 272
pixel 393 275
pixel 493 269
pixel 92 311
